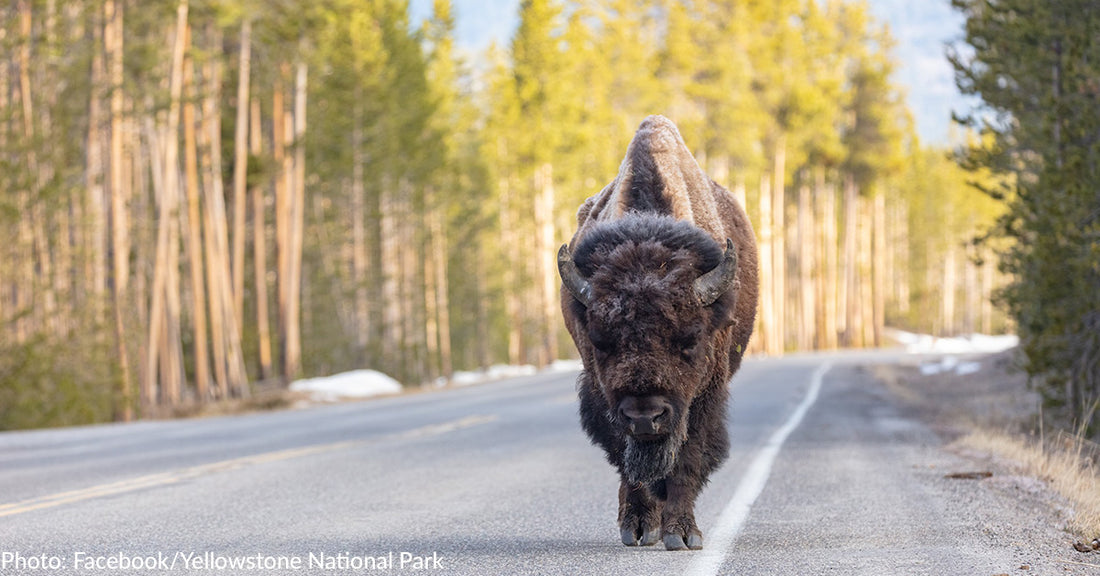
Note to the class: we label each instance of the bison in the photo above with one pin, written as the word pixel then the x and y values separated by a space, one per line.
pixel 659 289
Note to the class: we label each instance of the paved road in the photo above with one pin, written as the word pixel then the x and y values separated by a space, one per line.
pixel 825 476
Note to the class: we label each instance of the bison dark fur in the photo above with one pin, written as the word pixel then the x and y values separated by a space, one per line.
pixel 659 294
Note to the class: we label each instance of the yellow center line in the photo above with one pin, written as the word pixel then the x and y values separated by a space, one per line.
pixel 172 477
pixel 434 429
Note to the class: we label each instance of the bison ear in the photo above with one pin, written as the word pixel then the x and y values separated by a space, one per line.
pixel 571 278
pixel 718 281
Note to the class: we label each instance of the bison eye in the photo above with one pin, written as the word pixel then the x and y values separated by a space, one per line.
pixel 685 344
pixel 601 341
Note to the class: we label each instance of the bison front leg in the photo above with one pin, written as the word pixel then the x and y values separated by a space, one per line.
pixel 678 528
pixel 639 514
pixel 698 458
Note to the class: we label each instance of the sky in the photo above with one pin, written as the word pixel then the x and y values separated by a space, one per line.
pixel 921 28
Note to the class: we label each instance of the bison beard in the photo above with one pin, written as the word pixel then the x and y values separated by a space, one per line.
pixel 645 462
pixel 660 314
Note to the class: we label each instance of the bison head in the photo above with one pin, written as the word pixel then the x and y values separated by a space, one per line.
pixel 652 299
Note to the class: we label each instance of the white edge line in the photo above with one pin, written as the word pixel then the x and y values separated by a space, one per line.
pixel 708 561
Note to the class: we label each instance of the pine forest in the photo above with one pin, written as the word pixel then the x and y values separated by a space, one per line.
pixel 203 198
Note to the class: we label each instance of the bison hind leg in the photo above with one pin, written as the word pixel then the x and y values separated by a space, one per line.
pixel 639 515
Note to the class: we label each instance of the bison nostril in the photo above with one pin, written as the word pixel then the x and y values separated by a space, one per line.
pixel 643 426
pixel 645 415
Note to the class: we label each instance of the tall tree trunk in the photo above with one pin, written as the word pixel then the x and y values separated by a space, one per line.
pixel 219 266
pixel 806 281
pixel 435 298
pixel 901 265
pixel 779 249
pixel 546 271
pixel 25 96
pixel 431 297
pixel 95 239
pixel 36 261
pixel 830 278
pixel 483 353
pixel 878 268
pixel 7 290
pixel 281 135
pixel 175 381
pixel 409 286
pixel 123 293
pixel 359 253
pixel 140 172
pixel 119 185
pixel 57 225
pixel 950 278
pixel 972 290
pixel 891 256
pixel 391 271
pixel 768 319
pixel 240 170
pixel 510 249
pixel 163 329
pixel 259 250
pixel 195 240
pixel 439 248
pixel 851 264
pixel 152 153
pixel 866 318
pixel 987 291
pixel 212 275
pixel 297 226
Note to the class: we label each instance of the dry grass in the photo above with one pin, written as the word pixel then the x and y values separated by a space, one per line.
pixel 1067 464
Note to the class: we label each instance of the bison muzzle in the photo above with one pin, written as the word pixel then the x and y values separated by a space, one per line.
pixel 659 289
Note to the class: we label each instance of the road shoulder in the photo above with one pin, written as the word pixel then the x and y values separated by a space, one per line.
pixel 867 486
pixel 969 401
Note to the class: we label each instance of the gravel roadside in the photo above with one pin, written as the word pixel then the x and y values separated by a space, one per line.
pixel 960 396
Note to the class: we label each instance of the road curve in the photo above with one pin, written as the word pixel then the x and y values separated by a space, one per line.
pixel 826 475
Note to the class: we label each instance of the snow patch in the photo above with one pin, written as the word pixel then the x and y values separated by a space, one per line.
pixel 566 366
pixel 502 371
pixel 354 384
pixel 970 344
pixel 494 372
pixel 950 364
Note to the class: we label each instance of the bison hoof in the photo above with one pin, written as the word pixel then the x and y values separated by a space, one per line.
pixel 676 542
pixel 640 537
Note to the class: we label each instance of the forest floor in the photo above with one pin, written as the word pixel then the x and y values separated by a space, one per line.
pixel 983 407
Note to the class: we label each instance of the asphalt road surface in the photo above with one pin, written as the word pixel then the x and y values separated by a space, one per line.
pixel 827 475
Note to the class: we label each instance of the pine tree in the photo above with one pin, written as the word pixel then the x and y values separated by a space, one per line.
pixel 536 65
pixel 1034 62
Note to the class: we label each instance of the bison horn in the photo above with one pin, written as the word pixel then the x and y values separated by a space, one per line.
pixel 576 284
pixel 713 284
